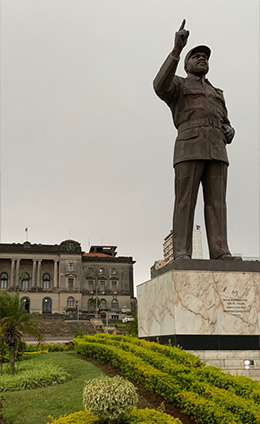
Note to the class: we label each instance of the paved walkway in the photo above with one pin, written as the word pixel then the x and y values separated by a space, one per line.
pixel 51 340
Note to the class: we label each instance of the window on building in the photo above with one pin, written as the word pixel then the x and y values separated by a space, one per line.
pixel 70 267
pixel 90 285
pixel 70 283
pixel 4 280
pixel 25 303
pixel 102 285
pixel 103 304
pixel 47 305
pixel 114 285
pixel 91 305
pixel 25 281
pixel 101 270
pixel 70 302
pixel 46 281
pixel 114 305
pixel 113 271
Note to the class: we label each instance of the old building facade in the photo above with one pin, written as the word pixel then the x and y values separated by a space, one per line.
pixel 62 279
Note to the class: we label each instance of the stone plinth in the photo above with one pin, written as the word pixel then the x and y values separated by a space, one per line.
pixel 210 305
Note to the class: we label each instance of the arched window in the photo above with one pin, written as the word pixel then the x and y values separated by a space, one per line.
pixel 103 304
pixel 25 302
pixel 4 280
pixel 91 304
pixel 114 305
pixel 70 302
pixel 46 306
pixel 25 281
pixel 46 281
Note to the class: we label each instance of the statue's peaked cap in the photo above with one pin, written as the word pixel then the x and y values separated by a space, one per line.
pixel 204 49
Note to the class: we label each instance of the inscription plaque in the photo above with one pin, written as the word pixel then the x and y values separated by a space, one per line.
pixel 236 306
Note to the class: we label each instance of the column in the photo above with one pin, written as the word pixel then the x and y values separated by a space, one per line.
pixel 12 272
pixel 17 282
pixel 39 273
pixel 34 273
pixel 55 281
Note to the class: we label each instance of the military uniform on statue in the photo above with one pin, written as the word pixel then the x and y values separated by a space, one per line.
pixel 200 115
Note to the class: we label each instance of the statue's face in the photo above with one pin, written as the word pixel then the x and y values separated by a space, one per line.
pixel 198 64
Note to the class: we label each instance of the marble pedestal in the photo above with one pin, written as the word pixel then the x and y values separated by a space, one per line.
pixel 215 305
pixel 208 307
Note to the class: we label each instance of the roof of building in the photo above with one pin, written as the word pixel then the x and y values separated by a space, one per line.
pixel 66 246
pixel 94 255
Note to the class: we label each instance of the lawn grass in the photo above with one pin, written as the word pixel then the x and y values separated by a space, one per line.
pixel 35 405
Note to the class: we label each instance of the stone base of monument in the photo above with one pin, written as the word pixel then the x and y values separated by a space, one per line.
pixel 211 308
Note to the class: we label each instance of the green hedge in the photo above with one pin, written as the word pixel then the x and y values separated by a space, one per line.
pixel 194 370
pixel 136 416
pixel 229 401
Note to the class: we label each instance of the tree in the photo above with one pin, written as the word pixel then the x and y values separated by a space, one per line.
pixel 14 323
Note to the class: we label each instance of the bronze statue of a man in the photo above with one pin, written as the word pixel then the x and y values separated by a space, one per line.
pixel 200 115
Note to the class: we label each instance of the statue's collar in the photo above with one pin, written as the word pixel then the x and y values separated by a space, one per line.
pixel 193 77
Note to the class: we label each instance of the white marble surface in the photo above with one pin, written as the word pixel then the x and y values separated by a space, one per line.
pixel 200 302
pixel 232 361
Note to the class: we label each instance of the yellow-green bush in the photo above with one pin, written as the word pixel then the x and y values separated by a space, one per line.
pixel 150 416
pixel 36 352
pixel 136 416
pixel 81 417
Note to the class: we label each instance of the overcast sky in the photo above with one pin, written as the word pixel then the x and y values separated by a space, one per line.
pixel 86 145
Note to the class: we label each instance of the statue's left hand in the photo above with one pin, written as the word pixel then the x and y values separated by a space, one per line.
pixel 229 133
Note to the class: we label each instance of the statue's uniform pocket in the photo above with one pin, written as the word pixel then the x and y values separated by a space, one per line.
pixel 193 98
pixel 187 134
pixel 186 145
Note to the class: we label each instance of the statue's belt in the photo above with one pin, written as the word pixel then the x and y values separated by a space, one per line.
pixel 202 122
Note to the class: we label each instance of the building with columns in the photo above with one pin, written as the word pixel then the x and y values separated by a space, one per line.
pixel 63 279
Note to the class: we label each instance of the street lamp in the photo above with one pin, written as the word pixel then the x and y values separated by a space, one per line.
pixel 96 288
pixel 77 309
pixel 247 363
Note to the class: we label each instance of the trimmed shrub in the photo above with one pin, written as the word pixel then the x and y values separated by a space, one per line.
pixel 34 353
pixel 150 416
pixel 136 416
pixel 81 417
pixel 109 398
